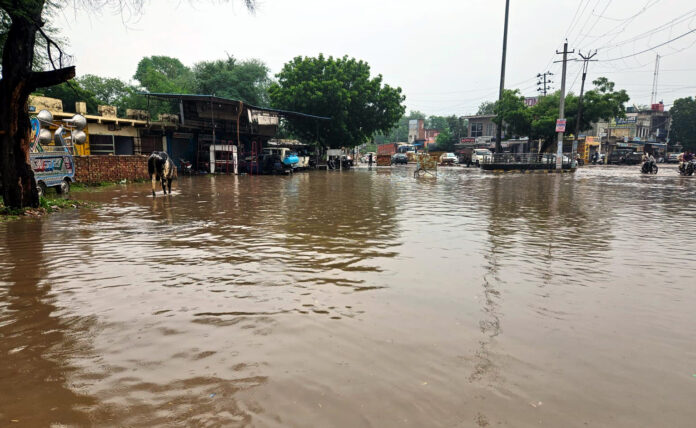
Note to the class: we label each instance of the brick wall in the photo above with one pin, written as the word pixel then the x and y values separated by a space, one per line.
pixel 96 169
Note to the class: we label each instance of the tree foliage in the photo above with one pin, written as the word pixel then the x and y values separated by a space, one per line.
pixel 70 93
pixel 164 74
pixel 339 88
pixel 399 133
pixel 486 107
pixel 683 128
pixel 242 80
pixel 445 141
pixel 23 27
pixel 512 113
pixel 603 102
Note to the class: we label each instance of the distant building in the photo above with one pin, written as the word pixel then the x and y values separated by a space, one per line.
pixel 107 134
pixel 416 131
pixel 482 127
pixel 531 101
pixel 431 136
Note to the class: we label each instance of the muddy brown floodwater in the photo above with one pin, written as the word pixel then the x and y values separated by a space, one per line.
pixel 357 299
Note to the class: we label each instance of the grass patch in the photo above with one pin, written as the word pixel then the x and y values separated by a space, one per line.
pixel 46 206
pixel 103 184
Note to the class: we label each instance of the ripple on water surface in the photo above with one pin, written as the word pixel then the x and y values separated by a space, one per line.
pixel 361 298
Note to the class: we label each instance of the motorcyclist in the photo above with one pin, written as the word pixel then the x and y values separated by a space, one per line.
pixel 648 161
pixel 684 158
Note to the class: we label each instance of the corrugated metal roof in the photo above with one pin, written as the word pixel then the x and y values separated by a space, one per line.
pixel 229 101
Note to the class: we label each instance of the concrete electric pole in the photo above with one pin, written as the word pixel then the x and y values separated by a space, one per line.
pixel 560 124
pixel 499 128
pixel 585 62
pixel 544 89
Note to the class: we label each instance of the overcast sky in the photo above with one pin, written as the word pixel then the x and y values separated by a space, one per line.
pixel 445 55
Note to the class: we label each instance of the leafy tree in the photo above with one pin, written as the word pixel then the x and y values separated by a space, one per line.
pixel 107 90
pixel 512 113
pixel 603 102
pixel 246 80
pixel 458 126
pixel 399 133
pixel 115 92
pixel 437 122
pixel 164 74
pixel 445 141
pixel 683 128
pixel 486 107
pixel 71 92
pixel 340 88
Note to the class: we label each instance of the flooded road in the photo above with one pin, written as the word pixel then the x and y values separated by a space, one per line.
pixel 357 299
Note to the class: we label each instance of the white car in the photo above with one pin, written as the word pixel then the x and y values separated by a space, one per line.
pixel 480 155
pixel 449 158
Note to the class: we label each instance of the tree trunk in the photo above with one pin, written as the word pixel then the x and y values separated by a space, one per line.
pixel 18 81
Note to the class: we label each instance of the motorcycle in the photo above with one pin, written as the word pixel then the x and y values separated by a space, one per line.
pixel 186 167
pixel 687 168
pixel 649 167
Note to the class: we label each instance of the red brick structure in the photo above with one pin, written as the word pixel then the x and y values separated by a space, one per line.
pixel 97 169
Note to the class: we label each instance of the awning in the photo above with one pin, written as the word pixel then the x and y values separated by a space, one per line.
pixel 229 101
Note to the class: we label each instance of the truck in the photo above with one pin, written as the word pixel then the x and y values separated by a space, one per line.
pixel 50 155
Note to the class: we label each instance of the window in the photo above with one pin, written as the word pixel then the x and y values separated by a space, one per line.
pixel 489 129
pixel 476 129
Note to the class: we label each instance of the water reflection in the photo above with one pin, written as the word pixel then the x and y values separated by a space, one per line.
pixel 37 341
pixel 354 298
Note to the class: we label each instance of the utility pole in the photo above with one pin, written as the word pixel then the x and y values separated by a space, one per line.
pixel 561 107
pixel 499 128
pixel 543 89
pixel 585 62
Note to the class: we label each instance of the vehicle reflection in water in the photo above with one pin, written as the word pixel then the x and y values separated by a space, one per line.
pixel 356 298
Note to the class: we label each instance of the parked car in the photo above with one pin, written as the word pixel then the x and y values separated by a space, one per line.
pixel 448 159
pixel 399 158
pixel 672 158
pixel 479 156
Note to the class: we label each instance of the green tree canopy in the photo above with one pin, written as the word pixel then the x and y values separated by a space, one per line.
pixel 445 141
pixel 340 88
pixel 511 111
pixel 486 107
pixel 683 128
pixel 241 80
pixel 399 133
pixel 603 102
pixel 112 91
pixel 164 74
pixel 69 93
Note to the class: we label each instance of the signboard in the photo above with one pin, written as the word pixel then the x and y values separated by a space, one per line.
pixel 560 125
pixel 467 140
pixel 531 101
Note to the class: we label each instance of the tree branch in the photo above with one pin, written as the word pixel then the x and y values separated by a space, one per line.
pixel 41 79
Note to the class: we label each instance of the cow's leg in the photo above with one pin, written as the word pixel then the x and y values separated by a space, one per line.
pixel 169 185
pixel 154 180
pixel 164 189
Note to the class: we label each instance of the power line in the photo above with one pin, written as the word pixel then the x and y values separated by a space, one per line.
pixel 652 48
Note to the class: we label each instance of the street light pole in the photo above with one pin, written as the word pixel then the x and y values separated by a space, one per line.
pixel 499 128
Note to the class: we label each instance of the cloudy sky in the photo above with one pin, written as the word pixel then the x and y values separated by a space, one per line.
pixel 445 55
